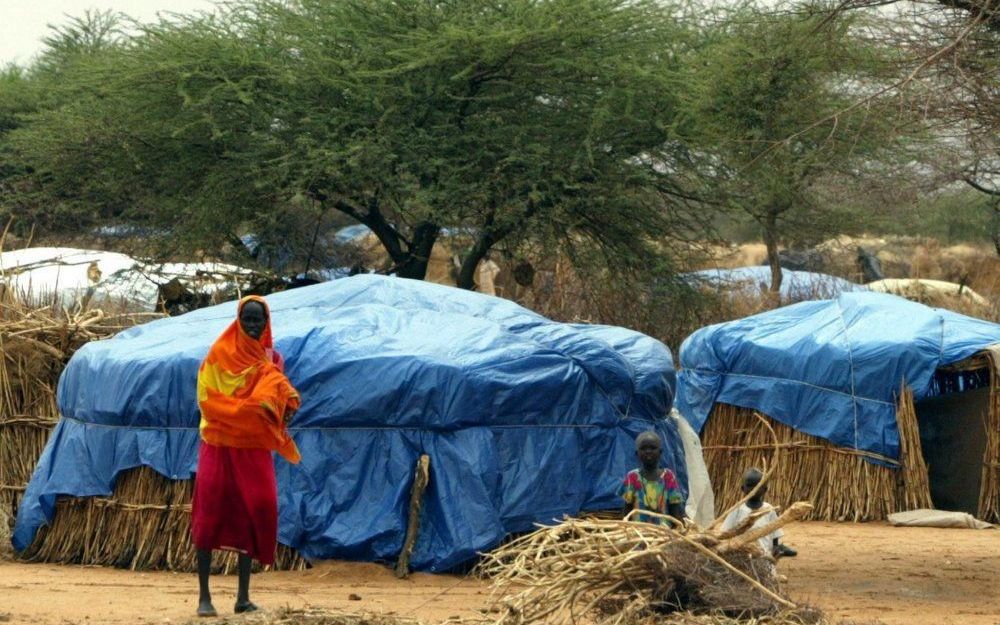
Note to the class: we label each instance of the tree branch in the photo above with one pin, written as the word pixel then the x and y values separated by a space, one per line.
pixel 978 187
pixel 489 235
pixel 387 235
pixel 989 14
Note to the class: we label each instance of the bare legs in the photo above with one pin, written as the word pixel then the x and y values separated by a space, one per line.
pixel 205 607
pixel 243 603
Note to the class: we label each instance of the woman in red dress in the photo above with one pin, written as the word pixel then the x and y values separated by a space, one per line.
pixel 246 402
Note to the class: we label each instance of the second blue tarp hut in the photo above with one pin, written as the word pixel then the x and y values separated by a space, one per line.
pixel 864 392
pixel 524 420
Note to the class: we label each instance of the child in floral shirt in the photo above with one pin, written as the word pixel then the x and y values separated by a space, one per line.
pixel 650 487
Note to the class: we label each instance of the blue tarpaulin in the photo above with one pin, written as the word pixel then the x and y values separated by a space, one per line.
pixel 795 285
pixel 830 368
pixel 524 419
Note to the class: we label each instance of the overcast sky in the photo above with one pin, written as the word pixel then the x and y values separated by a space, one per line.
pixel 23 23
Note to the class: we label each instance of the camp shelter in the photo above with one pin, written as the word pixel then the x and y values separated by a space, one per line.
pixel 70 273
pixel 94 278
pixel 928 291
pixel 756 280
pixel 523 420
pixel 868 394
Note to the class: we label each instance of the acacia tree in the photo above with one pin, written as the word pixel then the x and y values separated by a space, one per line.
pixel 513 121
pixel 16 100
pixel 951 77
pixel 771 111
pixel 28 194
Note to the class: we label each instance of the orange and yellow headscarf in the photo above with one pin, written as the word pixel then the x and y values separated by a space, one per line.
pixel 243 395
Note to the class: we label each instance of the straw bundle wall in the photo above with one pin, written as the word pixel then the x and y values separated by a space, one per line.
pixel 36 341
pixel 145 525
pixel 841 483
pixel 21 444
pixel 914 490
pixel 989 494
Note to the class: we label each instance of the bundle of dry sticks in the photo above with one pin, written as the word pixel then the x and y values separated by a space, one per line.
pixel 611 572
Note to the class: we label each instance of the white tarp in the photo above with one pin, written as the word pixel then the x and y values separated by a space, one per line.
pixel 75 275
pixel 937 518
pixel 42 271
pixel 701 499
pixel 914 288
pixel 140 285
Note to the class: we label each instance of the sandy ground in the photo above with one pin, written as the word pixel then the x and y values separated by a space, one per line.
pixel 897 575
pixel 869 572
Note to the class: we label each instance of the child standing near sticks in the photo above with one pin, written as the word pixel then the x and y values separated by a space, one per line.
pixel 651 488
pixel 770 544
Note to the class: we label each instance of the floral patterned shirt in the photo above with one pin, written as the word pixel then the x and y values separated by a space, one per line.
pixel 652 495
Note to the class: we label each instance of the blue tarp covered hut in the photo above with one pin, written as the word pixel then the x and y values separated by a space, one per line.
pixel 524 419
pixel 834 370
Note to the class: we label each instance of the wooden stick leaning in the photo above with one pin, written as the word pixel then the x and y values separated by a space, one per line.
pixel 421 477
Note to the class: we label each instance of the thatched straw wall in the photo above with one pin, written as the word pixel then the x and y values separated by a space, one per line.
pixel 840 482
pixel 29 366
pixel 145 525
pixel 36 341
pixel 989 495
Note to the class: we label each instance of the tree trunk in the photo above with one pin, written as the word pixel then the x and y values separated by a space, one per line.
pixel 467 275
pixel 489 235
pixel 771 241
pixel 414 265
pixel 410 262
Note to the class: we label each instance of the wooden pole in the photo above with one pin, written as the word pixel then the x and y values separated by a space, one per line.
pixel 421 477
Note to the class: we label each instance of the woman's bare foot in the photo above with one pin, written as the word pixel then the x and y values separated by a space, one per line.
pixel 245 606
pixel 205 608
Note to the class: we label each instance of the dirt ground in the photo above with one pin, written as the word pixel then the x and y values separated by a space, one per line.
pixel 869 572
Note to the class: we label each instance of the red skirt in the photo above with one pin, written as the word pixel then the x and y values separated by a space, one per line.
pixel 235 504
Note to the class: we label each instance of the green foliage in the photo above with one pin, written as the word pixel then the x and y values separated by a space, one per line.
pixel 517 119
pixel 956 216
pixel 772 107
pixel 596 129
pixel 774 92
pixel 59 79
pixel 16 98
pixel 521 120
pixel 76 41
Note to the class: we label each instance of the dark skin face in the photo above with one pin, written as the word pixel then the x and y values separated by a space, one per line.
pixel 253 319
pixel 648 451
pixel 749 483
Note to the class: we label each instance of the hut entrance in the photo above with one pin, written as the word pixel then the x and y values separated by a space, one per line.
pixel 954 434
pixel 953 438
